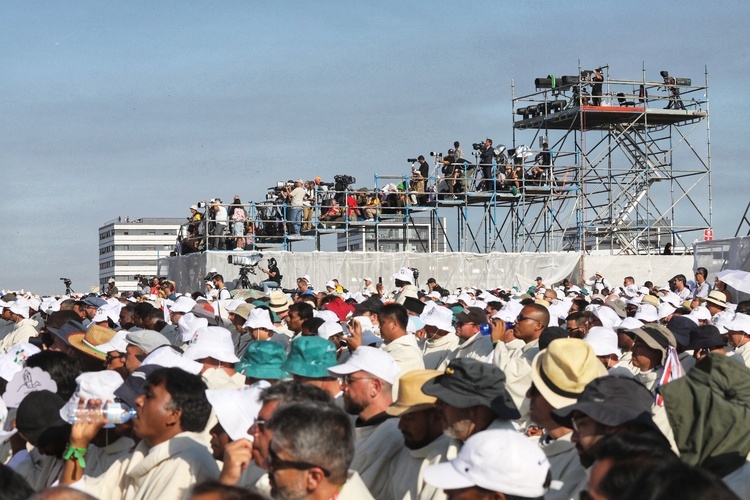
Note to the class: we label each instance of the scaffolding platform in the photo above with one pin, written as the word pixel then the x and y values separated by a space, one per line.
pixel 603 117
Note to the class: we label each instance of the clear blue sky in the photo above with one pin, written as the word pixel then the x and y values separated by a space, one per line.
pixel 142 108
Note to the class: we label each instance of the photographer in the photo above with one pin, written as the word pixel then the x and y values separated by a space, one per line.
pixel 296 203
pixel 218 217
pixel 452 170
pixel 194 241
pixel 308 206
pixel 542 163
pixel 596 78
pixel 485 162
pixel 419 180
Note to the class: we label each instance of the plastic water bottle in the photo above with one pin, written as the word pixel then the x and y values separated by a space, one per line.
pixel 114 413
pixel 485 329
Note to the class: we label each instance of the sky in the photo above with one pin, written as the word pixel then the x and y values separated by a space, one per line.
pixel 143 108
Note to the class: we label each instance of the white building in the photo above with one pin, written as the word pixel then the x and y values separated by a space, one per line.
pixel 130 247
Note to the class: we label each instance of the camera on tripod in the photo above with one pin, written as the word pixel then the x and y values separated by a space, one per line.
pixel 247 264
pixel 344 180
pixel 250 261
pixel 479 146
pixel 67 281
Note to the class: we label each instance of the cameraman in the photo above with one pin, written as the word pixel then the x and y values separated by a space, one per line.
pixel 274 276
pixel 451 170
pixel 296 204
pixel 419 180
pixel 308 205
pixel 219 218
pixel 485 162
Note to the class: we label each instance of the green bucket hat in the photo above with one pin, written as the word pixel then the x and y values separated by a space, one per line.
pixel 311 357
pixel 263 360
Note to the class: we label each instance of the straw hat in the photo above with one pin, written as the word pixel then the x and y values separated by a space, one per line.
pixel 410 395
pixel 87 342
pixel 561 371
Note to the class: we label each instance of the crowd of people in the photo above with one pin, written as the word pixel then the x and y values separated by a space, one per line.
pixel 574 390
pixel 299 207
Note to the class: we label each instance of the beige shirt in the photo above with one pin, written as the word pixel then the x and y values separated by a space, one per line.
pixel 435 351
pixel 407 356
pixel 100 460
pixel 354 489
pixel 22 332
pixel 516 364
pixel 407 481
pixel 476 347
pixel 164 472
pixel 565 467
pixel 375 446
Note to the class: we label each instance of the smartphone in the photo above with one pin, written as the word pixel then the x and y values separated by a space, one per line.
pixel 380 280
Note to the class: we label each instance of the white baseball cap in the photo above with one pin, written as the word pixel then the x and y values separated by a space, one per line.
pixel 603 340
pixel 477 465
pixel 629 324
pixel 237 409
pixel 329 329
pixel 95 385
pixel 371 360
pixel 212 342
pixel 405 274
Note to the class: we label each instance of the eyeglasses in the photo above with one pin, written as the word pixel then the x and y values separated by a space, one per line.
pixel 521 317
pixel 259 425
pixel 574 330
pixel 111 358
pixel 275 463
pixel 577 421
pixel 348 379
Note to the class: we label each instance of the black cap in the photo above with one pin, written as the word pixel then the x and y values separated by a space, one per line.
pixel 67 330
pixel 611 401
pixel 472 315
pixel 469 382
pixel 371 305
pixel 38 418
pixel 135 384
pixel 680 326
pixel 414 305
pixel 705 337
pixel 539 278
pixel 551 333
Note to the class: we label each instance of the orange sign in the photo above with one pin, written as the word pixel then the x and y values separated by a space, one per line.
pixel 708 235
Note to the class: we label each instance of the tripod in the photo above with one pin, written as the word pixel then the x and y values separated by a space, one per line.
pixel 243 281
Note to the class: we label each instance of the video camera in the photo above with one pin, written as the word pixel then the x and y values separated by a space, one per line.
pixel 251 260
pixel 344 180
pixel 67 281
pixel 479 146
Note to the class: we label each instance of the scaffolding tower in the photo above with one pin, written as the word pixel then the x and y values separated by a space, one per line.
pixel 629 162
pixel 597 164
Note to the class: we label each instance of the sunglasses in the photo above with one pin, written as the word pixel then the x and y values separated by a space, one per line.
pixel 275 463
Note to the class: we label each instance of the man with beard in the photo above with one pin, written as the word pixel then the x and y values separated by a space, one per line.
pixel 558 374
pixel 310 453
pixel 369 375
pixel 424 440
pixel 471 397
pixel 607 405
